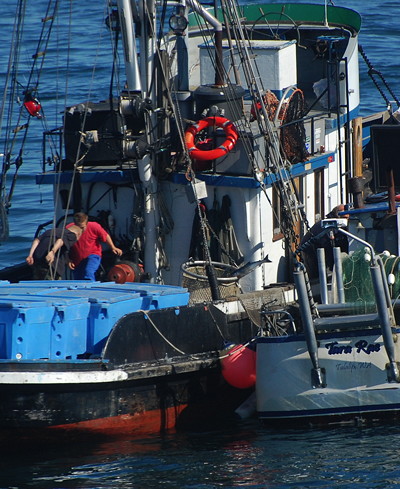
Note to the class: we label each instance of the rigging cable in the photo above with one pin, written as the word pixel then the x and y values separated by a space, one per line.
pixel 11 73
pixel 78 157
pixel 280 165
pixel 11 141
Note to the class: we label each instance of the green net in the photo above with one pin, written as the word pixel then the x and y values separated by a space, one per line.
pixel 357 280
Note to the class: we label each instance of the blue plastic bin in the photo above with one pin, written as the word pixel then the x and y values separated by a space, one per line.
pixel 153 296
pixel 25 329
pixel 106 308
pixel 67 326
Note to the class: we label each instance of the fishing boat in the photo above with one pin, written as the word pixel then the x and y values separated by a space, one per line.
pixel 236 130
pixel 333 358
pixel 338 355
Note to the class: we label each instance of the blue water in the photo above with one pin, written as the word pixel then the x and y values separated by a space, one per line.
pixel 249 455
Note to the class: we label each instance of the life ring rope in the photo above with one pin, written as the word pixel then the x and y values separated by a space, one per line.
pixel 206 155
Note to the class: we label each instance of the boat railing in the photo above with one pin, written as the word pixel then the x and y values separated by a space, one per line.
pixel 359 321
pixel 383 318
pixel 54 160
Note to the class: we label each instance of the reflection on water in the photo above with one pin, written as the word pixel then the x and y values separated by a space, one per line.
pixel 250 456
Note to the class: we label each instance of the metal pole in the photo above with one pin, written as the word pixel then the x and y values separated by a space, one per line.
pixel 308 327
pixel 338 273
pixel 385 322
pixel 322 275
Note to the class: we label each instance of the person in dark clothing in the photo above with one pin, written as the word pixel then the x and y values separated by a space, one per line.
pixel 49 252
pixel 326 241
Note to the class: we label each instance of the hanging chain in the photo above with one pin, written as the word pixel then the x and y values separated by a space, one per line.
pixel 372 72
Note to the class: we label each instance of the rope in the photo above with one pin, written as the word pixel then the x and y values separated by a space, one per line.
pixel 280 165
pixel 237 350
pixel 11 73
pixel 79 157
pixel 146 316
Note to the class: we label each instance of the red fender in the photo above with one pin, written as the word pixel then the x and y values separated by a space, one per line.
pixel 239 367
pixel 196 153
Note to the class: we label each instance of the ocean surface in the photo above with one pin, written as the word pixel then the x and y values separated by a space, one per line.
pixel 247 455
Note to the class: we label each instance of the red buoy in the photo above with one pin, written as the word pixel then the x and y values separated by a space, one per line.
pixel 239 367
pixel 33 107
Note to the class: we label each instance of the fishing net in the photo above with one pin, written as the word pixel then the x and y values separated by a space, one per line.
pixel 272 299
pixel 195 279
pixel 271 103
pixel 293 134
pixel 357 280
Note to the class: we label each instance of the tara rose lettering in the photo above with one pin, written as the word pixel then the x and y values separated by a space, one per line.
pixel 361 346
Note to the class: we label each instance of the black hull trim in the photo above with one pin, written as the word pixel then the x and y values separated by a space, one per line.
pixel 354 418
pixel 56 413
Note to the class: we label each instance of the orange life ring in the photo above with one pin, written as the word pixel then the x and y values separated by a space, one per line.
pixel 212 154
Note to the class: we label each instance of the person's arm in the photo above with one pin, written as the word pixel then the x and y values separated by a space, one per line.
pixel 52 253
pixel 114 249
pixel 29 259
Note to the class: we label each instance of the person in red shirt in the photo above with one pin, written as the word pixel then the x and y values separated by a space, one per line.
pixel 85 255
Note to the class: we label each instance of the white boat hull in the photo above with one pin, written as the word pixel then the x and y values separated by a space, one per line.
pixel 354 367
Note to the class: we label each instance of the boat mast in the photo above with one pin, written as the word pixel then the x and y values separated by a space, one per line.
pixel 129 39
pixel 217 26
pixel 140 79
pixel 148 48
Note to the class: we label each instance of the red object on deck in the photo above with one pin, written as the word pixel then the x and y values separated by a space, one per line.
pixel 125 272
pixel 121 274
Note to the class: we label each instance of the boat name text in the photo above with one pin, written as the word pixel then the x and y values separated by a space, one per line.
pixel 361 346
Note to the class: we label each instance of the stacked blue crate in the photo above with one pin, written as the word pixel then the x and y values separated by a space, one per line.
pixel 106 308
pixel 24 289
pixel 83 313
pixel 69 327
pixel 154 296
pixel 63 334
pixel 25 329
pixel 55 283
